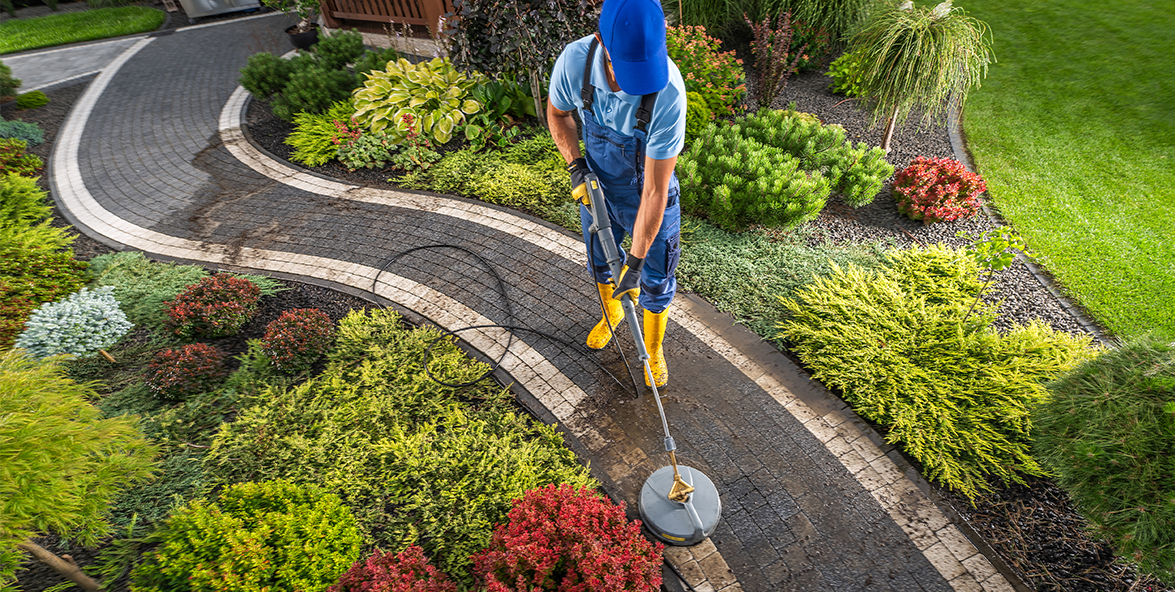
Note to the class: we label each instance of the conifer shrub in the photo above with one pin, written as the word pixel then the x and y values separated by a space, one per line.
pixel 258 536
pixel 21 202
pixel 1107 434
pixel 938 190
pixel 265 75
pixel 63 461
pixel 180 373
pixel 312 88
pixel 953 391
pixel 697 115
pixel 14 160
pixel 22 130
pixel 316 136
pixel 80 325
pixel 30 276
pixel 374 59
pixel 141 286
pixel 8 84
pixel 334 52
pixel 296 339
pixel 215 306
pixel 406 571
pixel 563 538
pixel 31 100
pixel 417 462
pixel 776 168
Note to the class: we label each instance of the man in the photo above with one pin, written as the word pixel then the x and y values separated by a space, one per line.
pixel 631 100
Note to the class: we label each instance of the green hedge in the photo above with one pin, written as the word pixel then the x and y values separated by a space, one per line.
pixel 416 462
pixel 953 391
pixel 1108 435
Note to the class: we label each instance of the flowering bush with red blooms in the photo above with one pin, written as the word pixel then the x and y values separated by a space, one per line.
pixel 407 571
pixel 568 540
pixel 937 190
pixel 218 305
pixel 189 370
pixel 717 76
pixel 297 339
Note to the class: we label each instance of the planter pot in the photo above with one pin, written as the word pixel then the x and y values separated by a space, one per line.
pixel 303 41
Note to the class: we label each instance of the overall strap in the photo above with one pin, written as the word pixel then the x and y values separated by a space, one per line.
pixel 588 94
pixel 644 114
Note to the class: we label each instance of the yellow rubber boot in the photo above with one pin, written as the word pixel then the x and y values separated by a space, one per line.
pixel 654 333
pixel 601 334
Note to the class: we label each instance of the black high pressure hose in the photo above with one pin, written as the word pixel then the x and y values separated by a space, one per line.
pixel 501 288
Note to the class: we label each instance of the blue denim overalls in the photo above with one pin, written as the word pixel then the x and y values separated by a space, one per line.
pixel 619 161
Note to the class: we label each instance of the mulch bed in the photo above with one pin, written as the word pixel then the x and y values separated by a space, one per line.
pixel 1035 529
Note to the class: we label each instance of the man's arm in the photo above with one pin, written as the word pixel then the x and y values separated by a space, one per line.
pixel 654 197
pixel 563 131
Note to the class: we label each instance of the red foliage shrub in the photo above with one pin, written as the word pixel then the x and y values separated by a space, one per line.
pixel 218 305
pixel 568 540
pixel 937 190
pixel 297 339
pixel 407 571
pixel 191 369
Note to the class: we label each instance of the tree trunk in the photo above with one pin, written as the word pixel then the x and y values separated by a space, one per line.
pixel 65 567
pixel 887 139
pixel 536 91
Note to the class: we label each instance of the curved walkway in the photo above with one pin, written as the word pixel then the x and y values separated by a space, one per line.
pixel 153 158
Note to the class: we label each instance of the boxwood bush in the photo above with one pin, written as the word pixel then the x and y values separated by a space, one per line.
pixel 953 391
pixel 416 462
pixel 257 536
pixel 1108 436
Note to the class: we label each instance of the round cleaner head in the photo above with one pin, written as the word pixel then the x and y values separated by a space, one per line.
pixel 681 524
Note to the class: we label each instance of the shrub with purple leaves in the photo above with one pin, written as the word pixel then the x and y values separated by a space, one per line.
pixel 81 325
pixel 216 306
pixel 406 571
pixel 189 370
pixel 297 339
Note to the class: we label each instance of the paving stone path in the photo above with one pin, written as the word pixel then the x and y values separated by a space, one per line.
pixel 153 158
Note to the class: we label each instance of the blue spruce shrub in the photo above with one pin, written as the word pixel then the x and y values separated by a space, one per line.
pixel 82 324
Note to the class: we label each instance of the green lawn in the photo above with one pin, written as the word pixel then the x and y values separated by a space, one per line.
pixel 59 29
pixel 1074 130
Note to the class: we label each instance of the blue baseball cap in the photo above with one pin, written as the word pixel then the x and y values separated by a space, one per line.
pixel 634 33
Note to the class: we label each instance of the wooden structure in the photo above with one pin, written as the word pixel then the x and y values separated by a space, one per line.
pixel 373 15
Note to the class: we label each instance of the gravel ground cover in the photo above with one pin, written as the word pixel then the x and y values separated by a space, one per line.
pixel 1035 529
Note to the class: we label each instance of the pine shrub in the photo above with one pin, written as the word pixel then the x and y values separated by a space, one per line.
pixel 265 75
pixel 216 306
pixel 562 538
pixel 31 100
pixel 80 325
pixel 312 88
pixel 189 370
pixel 375 59
pixel 900 347
pixel 296 339
pixel 938 190
pixel 406 571
pixel 20 130
pixel 14 160
pixel 413 459
pixel 339 49
pixel 316 136
pixel 63 461
pixel 1107 434
pixel 258 536
pixel 8 84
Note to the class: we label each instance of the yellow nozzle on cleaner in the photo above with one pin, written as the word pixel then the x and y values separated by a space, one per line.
pixel 680 510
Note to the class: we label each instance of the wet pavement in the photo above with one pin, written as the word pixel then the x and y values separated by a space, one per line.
pixel 154 158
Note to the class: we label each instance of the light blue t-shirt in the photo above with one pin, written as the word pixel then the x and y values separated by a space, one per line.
pixel 617 110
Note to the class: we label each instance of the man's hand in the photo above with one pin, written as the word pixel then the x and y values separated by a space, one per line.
pixel 579 171
pixel 630 279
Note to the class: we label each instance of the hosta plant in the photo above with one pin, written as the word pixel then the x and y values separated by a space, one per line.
pixel 215 306
pixel 434 93
pixel 563 538
pixel 938 190
pixel 273 535
pixel 296 339
pixel 406 571
pixel 716 75
pixel 191 369
pixel 81 325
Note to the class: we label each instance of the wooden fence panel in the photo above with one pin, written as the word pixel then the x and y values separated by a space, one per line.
pixel 405 12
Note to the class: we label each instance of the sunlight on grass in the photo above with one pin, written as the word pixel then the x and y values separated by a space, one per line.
pixel 59 29
pixel 1074 131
